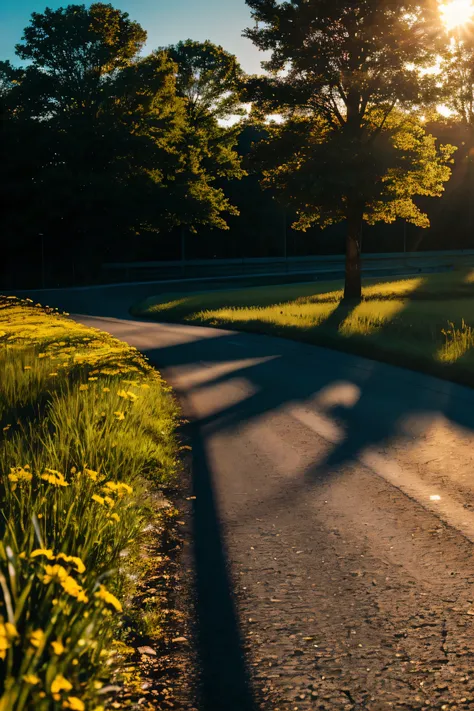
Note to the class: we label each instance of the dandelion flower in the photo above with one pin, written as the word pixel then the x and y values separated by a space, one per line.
pixel 122 393
pixel 124 489
pixel 7 635
pixel 46 552
pixel 6 428
pixel 58 647
pixel 80 567
pixel 20 474
pixel 31 679
pixel 74 589
pixel 54 477
pixel 100 499
pixel 115 517
pixel 74 703
pixel 120 489
pixel 108 598
pixel 83 387
pixel 92 379
pixel 36 638
pixel 41 355
pixel 119 415
pixel 109 501
pixel 132 396
pixel 105 390
pixel 54 573
pixel 27 367
pixel 91 474
pixel 59 684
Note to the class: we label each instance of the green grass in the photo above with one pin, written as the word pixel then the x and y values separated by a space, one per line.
pixel 421 322
pixel 87 433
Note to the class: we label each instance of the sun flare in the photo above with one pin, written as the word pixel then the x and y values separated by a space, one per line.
pixel 457 13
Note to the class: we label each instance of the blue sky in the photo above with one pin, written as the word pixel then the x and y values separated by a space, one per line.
pixel 166 21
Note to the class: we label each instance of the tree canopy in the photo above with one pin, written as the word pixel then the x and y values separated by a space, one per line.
pixel 345 78
pixel 115 151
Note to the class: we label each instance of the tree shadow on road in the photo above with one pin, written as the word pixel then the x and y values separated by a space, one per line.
pixel 283 374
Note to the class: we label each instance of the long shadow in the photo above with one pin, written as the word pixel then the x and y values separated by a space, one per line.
pixel 224 681
pixel 281 374
pixel 388 396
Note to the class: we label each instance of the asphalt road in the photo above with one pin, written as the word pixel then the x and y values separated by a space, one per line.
pixel 333 523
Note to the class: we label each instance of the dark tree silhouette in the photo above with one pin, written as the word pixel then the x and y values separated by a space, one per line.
pixel 344 75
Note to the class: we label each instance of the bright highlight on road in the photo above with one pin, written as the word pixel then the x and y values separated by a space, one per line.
pixel 435 497
pixel 457 13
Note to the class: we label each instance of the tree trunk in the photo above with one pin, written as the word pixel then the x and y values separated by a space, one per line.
pixel 353 285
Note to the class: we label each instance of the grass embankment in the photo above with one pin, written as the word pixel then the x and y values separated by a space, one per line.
pixel 422 322
pixel 87 432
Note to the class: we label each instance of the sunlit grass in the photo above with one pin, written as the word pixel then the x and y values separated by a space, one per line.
pixel 423 322
pixel 84 423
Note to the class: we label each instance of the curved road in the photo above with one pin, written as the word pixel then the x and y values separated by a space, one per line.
pixel 333 523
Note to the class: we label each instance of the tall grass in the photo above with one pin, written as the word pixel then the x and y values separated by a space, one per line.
pixel 421 322
pixel 87 428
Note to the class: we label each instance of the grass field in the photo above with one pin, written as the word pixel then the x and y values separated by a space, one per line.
pixel 423 322
pixel 87 433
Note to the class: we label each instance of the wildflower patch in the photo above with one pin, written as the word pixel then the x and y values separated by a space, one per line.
pixel 87 430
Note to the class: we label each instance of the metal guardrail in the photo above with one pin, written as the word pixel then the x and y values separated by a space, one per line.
pixel 272 266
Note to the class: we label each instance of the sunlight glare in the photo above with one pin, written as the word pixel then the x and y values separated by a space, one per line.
pixel 457 13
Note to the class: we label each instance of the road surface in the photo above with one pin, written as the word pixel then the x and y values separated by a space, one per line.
pixel 333 523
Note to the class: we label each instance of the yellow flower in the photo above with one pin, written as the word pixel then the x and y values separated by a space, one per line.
pixel 27 367
pixel 59 684
pixel 115 517
pixel 124 489
pixel 20 474
pixel 7 635
pixel 74 589
pixel 41 355
pixel 91 474
pixel 105 390
pixel 100 500
pixel 31 679
pixel 83 387
pixel 46 552
pixel 132 396
pixel 6 428
pixel 74 703
pixel 109 501
pixel 80 567
pixel 145 386
pixel 120 489
pixel 122 393
pixel 58 647
pixel 108 598
pixel 36 638
pixel 92 378
pixel 54 573
pixel 52 374
pixel 119 415
pixel 54 477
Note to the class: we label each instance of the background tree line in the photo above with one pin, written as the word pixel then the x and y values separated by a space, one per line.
pixel 110 155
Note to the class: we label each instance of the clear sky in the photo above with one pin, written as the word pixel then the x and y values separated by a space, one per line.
pixel 166 21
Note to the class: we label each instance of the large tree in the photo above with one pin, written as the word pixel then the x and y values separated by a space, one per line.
pixel 105 138
pixel 457 85
pixel 345 77
pixel 207 79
